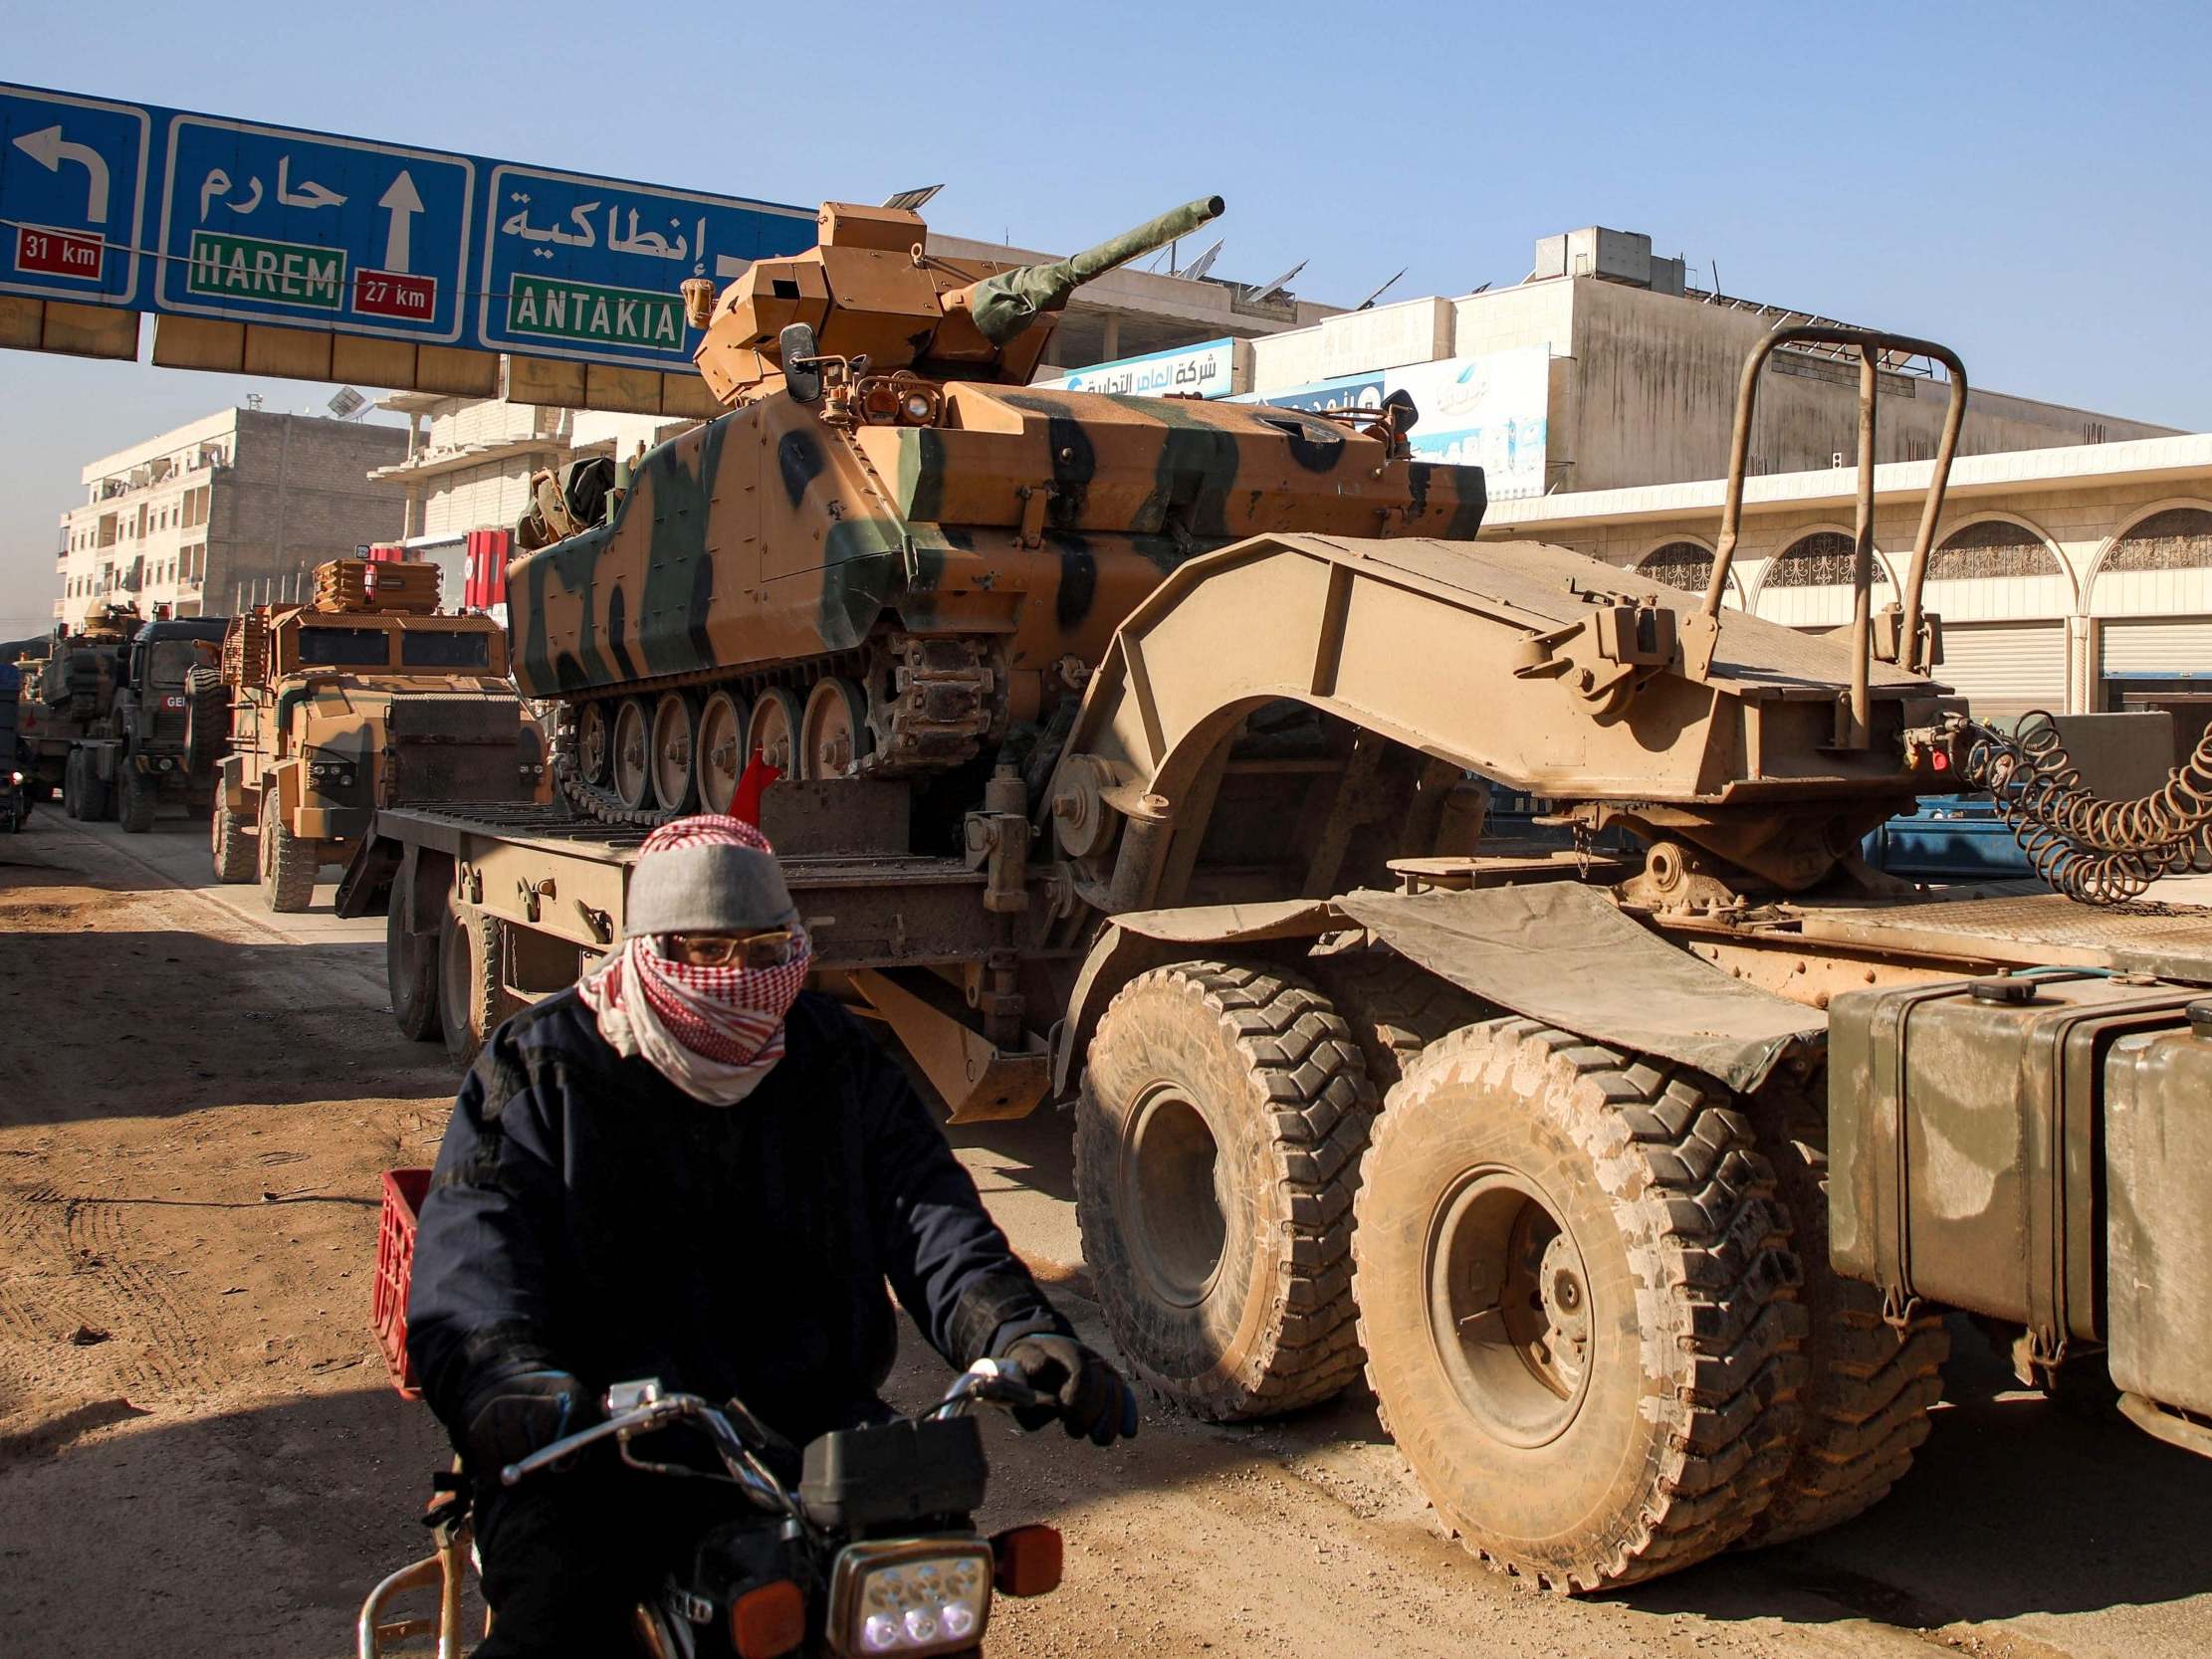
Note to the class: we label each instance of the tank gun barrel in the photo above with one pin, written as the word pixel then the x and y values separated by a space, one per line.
pixel 1005 304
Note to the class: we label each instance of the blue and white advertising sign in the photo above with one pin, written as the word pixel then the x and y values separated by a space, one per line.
pixel 1491 411
pixel 73 194
pixel 1205 370
pixel 164 210
pixel 578 267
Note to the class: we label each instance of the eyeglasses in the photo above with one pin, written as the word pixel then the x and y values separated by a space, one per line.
pixel 751 951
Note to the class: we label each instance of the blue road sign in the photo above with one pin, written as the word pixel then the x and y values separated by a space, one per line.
pixel 576 266
pixel 73 194
pixel 164 210
pixel 264 224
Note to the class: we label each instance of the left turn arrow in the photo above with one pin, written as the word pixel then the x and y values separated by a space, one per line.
pixel 50 150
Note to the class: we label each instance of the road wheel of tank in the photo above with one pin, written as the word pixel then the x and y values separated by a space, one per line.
pixel 468 980
pixel 1218 1143
pixel 1395 1008
pixel 834 729
pixel 73 785
pixel 289 865
pixel 630 764
pixel 674 748
pixel 773 730
pixel 411 972
pixel 230 843
pixel 1577 1304
pixel 1868 1387
pixel 720 749
pixel 594 742
pixel 140 796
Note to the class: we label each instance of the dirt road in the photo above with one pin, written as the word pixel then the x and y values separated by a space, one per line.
pixel 198 1453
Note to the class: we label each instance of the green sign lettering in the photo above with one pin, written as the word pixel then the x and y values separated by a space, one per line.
pixel 587 312
pixel 244 268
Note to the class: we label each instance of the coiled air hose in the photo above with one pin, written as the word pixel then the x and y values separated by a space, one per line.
pixel 2096 852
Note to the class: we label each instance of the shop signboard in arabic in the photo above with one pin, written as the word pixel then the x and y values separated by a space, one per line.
pixel 164 210
pixel 1491 411
pixel 1207 370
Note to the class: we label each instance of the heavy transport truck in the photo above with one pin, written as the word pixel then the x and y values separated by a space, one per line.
pixel 1140 751
pixel 365 697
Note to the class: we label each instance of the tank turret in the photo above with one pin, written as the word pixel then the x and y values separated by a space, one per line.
pixel 869 289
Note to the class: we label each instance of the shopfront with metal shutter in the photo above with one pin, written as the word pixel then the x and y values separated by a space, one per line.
pixel 2005 669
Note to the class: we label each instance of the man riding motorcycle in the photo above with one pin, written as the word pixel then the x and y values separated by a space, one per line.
pixel 685 1167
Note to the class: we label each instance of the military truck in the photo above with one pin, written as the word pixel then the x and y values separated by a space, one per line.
pixel 15 803
pixel 134 758
pixel 1134 746
pixel 364 698
pixel 69 682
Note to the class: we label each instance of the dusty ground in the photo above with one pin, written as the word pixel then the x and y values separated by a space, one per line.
pixel 198 1453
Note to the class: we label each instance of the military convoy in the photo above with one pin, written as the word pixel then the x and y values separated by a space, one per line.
pixel 364 698
pixel 1134 751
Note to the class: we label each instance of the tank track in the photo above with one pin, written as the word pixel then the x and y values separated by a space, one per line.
pixel 949 697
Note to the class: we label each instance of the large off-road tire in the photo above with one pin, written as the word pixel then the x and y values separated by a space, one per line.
pixel 1394 1008
pixel 1579 1305
pixel 411 972
pixel 206 718
pixel 1868 1387
pixel 140 796
pixel 72 785
pixel 289 865
pixel 230 843
pixel 469 995
pixel 1217 1141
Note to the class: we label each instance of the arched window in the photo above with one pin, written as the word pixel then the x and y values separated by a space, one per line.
pixel 1992 547
pixel 2179 539
pixel 1821 559
pixel 1679 564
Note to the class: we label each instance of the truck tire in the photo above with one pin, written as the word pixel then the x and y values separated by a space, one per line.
pixel 92 793
pixel 1217 1148
pixel 230 843
pixel 469 993
pixel 206 718
pixel 411 972
pixel 1395 1008
pixel 1868 1387
pixel 73 786
pixel 140 796
pixel 289 865
pixel 1579 1305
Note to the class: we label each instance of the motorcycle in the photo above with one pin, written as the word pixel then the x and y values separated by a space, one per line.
pixel 874 1552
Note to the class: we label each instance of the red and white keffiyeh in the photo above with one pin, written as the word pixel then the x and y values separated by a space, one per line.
pixel 714 1032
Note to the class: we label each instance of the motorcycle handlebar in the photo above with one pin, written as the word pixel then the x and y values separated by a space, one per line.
pixel 985 1380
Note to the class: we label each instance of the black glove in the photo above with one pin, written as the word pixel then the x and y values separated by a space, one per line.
pixel 511 1416
pixel 1091 1398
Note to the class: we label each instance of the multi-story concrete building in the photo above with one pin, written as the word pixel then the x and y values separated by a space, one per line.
pixel 233 506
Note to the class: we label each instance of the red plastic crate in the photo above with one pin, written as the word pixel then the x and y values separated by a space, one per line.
pixel 395 1266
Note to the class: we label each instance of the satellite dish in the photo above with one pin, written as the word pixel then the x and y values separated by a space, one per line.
pixel 910 201
pixel 1270 289
pixel 1203 262
pixel 1379 293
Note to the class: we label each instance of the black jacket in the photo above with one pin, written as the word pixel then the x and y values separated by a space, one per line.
pixel 587 1215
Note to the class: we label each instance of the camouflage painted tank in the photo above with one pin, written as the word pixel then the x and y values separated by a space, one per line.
pixel 892 553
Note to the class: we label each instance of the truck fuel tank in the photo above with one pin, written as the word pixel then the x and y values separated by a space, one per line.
pixel 1967 1137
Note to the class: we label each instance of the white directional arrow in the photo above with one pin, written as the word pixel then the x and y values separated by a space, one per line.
pixel 50 150
pixel 403 203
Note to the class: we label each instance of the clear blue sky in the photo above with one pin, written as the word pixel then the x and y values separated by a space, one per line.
pixel 2026 182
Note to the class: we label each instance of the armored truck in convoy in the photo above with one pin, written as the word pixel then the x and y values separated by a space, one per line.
pixel 364 697
pixel 1131 750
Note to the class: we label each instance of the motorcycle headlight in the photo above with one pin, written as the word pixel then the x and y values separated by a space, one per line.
pixel 910 1596
pixel 15 777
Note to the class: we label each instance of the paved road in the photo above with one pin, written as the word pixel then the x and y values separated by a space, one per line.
pixel 2023 1534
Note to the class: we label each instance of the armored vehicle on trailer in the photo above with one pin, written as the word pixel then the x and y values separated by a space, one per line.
pixel 1635 1181
pixel 69 682
pixel 364 697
